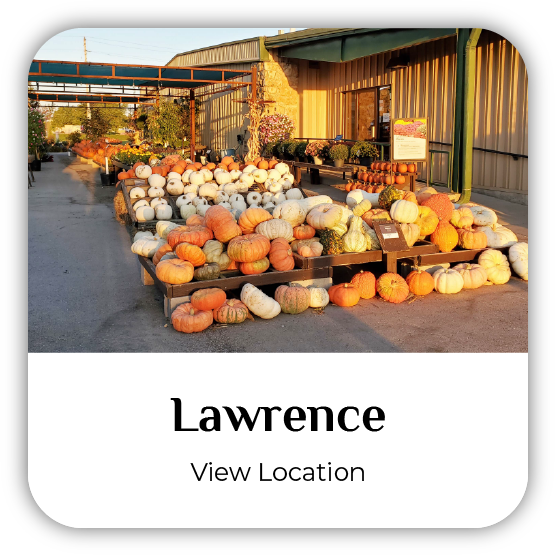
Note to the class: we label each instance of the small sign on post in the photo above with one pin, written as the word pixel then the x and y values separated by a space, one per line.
pixel 390 236
pixel 410 140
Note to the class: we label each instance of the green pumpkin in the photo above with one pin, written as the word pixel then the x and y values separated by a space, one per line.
pixel 332 242
pixel 388 196
pixel 210 271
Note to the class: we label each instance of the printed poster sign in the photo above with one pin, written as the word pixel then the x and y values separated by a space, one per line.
pixel 409 139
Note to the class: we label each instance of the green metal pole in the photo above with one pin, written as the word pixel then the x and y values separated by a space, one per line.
pixel 469 115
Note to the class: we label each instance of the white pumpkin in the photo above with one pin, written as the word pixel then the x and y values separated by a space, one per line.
pixel 269 207
pixel 282 168
pixel 222 197
pixel 182 200
pixel 158 201
pixel 254 197
pixel 143 172
pixel 156 180
pixel 190 188
pixel 255 205
pixel 259 175
pixel 217 170
pixel 249 169
pixel 141 203
pixel 163 228
pixel 325 216
pixel 410 232
pixel 190 197
pixel 273 186
pixel 447 280
pixel 319 297
pixel 275 228
pixel 206 173
pixel 225 204
pixel 519 259
pixel 174 187
pixel 147 247
pixel 155 191
pixel 242 205
pixel 259 303
pixel 202 209
pixel 236 211
pixel 199 201
pixel 404 211
pixel 267 197
pixel 274 174
pixel 185 176
pixel 246 179
pixel 286 184
pixel 474 275
pixel 356 196
pixel 278 198
pixel 208 191
pixel 311 202
pixel 167 256
pixel 144 213
pixel 141 235
pixel 289 177
pixel 187 210
pixel 137 193
pixel 222 178
pixel 483 216
pixel 294 194
pixel 291 211
pixel 234 174
pixel 497 266
pixel 173 176
pixel 230 189
pixel 242 187
pixel 498 236
pixel 197 178
pixel 163 212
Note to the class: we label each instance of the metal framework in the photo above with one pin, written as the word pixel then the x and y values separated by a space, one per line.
pixel 108 78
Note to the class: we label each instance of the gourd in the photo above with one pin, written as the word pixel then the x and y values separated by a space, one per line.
pixel 471 239
pixel 483 216
pixel 420 282
pixel 280 255
pixel 310 202
pixel 404 211
pixel 214 253
pixel 141 203
pixel 259 303
pixel 427 221
pixel 156 180
pixel 440 203
pixel 324 216
pixel 291 211
pixel 498 236
pixel 361 208
pixel 155 191
pixel 519 259
pixel 462 218
pixel 356 196
pixel 137 193
pixel 174 187
pixel 255 267
pixel 365 282
pixel 187 210
pixel 276 228
pixel 304 231
pixel 248 248
pixel 332 243
pixel 254 197
pixel 445 236
pixel 344 295
pixel 296 244
pixel 294 194
pixel 496 265
pixel 163 228
pixel 232 311
pixel 447 280
pixel 174 271
pixel 293 299
pixel 376 214
pixel 189 252
pixel 388 196
pixel 210 271
pixel 143 172
pixel 410 233
pixel 143 214
pixel 319 297
pixel 163 212
pixel 186 318
pixel 354 241
pixel 392 287
pixel 373 243
pixel 474 275
pixel 313 249
pixel 146 246
pixel 424 193
pixel 208 191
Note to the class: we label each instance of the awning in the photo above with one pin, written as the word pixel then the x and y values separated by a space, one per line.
pixel 350 44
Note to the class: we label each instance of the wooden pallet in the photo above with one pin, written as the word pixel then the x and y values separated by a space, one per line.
pixel 337 260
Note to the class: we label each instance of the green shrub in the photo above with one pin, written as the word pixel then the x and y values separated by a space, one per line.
pixel 339 152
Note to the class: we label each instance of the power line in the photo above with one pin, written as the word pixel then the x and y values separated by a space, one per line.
pixel 169 49
pixel 123 55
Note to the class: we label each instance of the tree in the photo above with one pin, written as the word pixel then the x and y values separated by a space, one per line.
pixel 169 122
pixel 115 116
pixel 68 115
pixel 96 126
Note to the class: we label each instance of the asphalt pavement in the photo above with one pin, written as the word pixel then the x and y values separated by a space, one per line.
pixel 85 293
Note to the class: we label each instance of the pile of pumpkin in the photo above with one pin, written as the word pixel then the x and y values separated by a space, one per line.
pixel 97 150
pixel 381 175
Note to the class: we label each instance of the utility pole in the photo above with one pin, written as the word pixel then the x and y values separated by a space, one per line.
pixel 88 86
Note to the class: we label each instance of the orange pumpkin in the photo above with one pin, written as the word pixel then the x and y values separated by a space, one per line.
pixel 304 231
pixel 232 311
pixel 344 295
pixel 197 165
pixel 445 236
pixel 233 166
pixel 161 252
pixel 394 167
pixel 227 160
pixel 263 165
pixel 410 196
pixel 208 299
pixel 195 220
pixel 222 223
pixel 365 282
pixel 188 319
pixel 189 252
pixel 400 180
pixel 211 166
pixel 174 271
pixel 248 248
pixel 123 176
pixel 441 204
pixel 411 168
pixel 249 219
pixel 178 169
pixel 255 267
pixel 420 282
pixel 392 287
pixel 272 163
pixel 280 255
pixel 471 239
pixel 402 168
pixel 196 235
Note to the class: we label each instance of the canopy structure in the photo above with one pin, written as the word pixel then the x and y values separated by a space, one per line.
pixel 76 79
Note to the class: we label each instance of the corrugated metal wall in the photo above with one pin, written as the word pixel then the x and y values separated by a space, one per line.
pixel 426 88
pixel 217 55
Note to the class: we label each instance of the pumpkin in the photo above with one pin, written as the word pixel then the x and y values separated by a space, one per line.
pixel 143 171
pixel 210 271
pixel 319 297
pixel 187 319
pixel 445 236
pixel 293 299
pixel 296 244
pixel 275 228
pixel 163 212
pixel 483 216
pixel 141 203
pixel 404 211
pixel 248 248
pixel 146 246
pixel 214 253
pixel 311 202
pixel 141 235
pixel 474 275
pixel 304 231
pixel 462 218
pixel 388 196
pixel 332 243
pixel 222 223
pixel 410 197
pixel 156 181
pixel 282 167
pixel 195 220
pixel 424 193
pixel 355 241
pixel 251 218
pixel 314 249
pixel 162 250
pixel 392 287
pixel 361 208
pixel 420 282
pixel 340 228
pixel 259 303
pixel 158 201
pixel 344 295
pixel 365 282
pixel 294 194
pixel 373 243
pixel 355 197
pixel 208 299
pixel 196 235
pixel 427 221
pixel 496 265
pixel 189 252
pixel 163 228
pixel 280 255
pixel 232 311
pixel 471 239
pixel 498 236
pixel 255 267
pixel 143 214
pixel 410 233
pixel 375 214
pixel 447 280
pixel 186 211
pixel 174 187
pixel 324 216
pixel 174 271
pixel 440 203
pixel 519 259
pixel 196 178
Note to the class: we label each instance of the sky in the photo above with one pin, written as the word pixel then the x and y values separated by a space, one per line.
pixel 139 46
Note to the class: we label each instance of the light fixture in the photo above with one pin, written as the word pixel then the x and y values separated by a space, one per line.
pixel 398 62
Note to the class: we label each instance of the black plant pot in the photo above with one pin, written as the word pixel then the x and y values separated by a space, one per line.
pixel 105 179
pixel 365 160
pixel 36 165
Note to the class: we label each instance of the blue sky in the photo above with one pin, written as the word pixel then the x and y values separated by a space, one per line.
pixel 139 46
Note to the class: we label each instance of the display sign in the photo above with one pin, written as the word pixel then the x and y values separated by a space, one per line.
pixel 338 138
pixel 390 236
pixel 410 142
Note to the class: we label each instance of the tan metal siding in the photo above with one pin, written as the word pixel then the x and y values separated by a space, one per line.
pixel 227 54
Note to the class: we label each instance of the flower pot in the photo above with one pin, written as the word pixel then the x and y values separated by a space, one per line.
pixel 36 165
pixel 105 179
pixel 317 160
pixel 338 163
pixel 365 160
pixel 296 159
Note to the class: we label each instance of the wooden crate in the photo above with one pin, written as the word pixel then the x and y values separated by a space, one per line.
pixel 458 256
pixel 233 280
pixel 337 260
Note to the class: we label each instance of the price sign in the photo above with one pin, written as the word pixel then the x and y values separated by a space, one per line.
pixel 390 236
pixel 410 140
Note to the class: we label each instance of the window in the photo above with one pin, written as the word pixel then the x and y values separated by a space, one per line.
pixel 367 114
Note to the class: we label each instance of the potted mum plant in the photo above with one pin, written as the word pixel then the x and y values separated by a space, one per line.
pixel 318 150
pixel 339 153
pixel 300 151
pixel 290 150
pixel 364 151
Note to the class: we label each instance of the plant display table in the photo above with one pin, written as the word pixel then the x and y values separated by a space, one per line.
pixel 348 169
